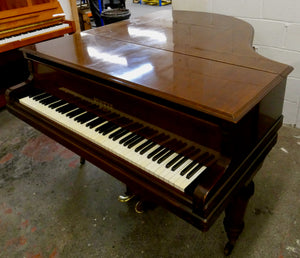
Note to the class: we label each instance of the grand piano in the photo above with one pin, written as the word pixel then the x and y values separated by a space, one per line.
pixel 24 22
pixel 176 104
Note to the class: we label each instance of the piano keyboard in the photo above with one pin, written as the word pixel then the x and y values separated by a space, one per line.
pixel 34 33
pixel 167 158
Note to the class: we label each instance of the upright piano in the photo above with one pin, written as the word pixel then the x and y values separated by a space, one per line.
pixel 176 104
pixel 24 22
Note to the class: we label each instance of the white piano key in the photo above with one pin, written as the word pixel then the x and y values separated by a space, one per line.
pixel 33 33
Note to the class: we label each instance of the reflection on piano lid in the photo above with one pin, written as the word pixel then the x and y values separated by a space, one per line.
pixel 26 22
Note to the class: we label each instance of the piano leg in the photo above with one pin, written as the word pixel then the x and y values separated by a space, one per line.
pixel 82 160
pixel 234 216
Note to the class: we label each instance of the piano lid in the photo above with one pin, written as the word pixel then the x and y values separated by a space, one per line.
pixel 199 60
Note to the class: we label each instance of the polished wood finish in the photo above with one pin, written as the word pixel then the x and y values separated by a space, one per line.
pixel 234 215
pixel 198 77
pixel 194 75
pixel 19 17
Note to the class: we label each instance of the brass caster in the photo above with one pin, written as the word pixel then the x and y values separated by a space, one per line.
pixel 139 207
pixel 125 198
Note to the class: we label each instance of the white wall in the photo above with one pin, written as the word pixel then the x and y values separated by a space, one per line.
pixel 277 36
pixel 65 5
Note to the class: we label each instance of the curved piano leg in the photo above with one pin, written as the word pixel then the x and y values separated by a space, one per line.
pixel 234 216
pixel 82 160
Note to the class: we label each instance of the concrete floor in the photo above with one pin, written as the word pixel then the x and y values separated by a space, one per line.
pixel 50 206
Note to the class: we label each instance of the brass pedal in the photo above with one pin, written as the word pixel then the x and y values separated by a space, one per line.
pixel 139 207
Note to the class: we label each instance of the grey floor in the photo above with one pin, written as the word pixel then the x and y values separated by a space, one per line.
pixel 50 206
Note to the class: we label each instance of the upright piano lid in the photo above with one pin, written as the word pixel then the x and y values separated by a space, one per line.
pixel 200 60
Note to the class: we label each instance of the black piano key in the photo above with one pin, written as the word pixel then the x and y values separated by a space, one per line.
pixel 148 147
pixel 201 159
pixel 164 157
pixel 143 145
pixel 179 156
pixel 58 104
pixel 85 117
pixel 155 151
pixel 44 99
pixel 95 122
pixel 131 140
pixel 115 134
pixel 160 154
pixel 138 140
pixel 194 171
pixel 119 122
pixel 170 144
pixel 120 134
pixel 41 96
pixel 188 168
pixel 66 108
pixel 139 133
pixel 184 159
pixel 180 145
pixel 75 112
pixel 49 100
pixel 156 140
pixel 179 163
pixel 127 138
pixel 127 129
pixel 173 161
pixel 113 127
pixel 103 127
pixel 207 162
pixel 47 97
